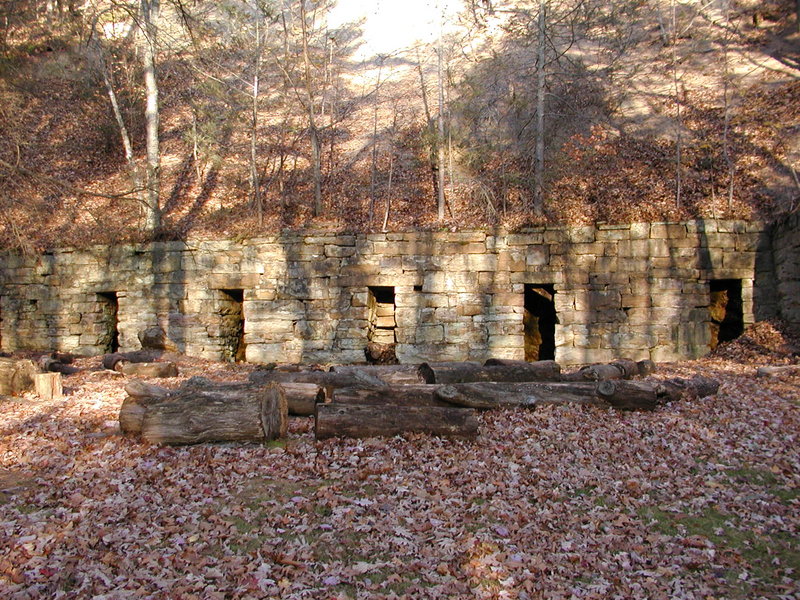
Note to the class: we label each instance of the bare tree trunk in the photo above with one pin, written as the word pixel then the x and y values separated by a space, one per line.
pixel 679 114
pixel 374 167
pixel 726 82
pixel 429 123
pixel 255 184
pixel 149 14
pixel 440 204
pixel 316 155
pixel 538 192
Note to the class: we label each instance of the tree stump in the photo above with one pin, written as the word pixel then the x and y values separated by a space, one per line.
pixel 48 386
pixel 16 376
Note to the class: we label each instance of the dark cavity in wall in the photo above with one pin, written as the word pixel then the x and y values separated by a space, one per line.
pixel 231 310
pixel 725 309
pixel 539 321
pixel 381 325
pixel 108 321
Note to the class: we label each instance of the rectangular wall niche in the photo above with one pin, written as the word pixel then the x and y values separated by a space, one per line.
pixel 725 309
pixel 539 321
pixel 231 330
pixel 380 307
pixel 108 321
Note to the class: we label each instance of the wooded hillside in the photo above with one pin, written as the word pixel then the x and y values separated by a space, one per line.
pixel 128 120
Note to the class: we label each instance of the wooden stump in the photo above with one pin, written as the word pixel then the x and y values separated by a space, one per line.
pixel 339 420
pixel 48 386
pixel 16 376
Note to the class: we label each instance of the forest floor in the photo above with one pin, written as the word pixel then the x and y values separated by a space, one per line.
pixel 698 499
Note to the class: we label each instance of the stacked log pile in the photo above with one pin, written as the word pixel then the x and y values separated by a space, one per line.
pixel 386 400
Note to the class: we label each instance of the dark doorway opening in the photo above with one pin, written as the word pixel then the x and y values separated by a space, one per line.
pixel 231 311
pixel 108 321
pixel 381 325
pixel 725 309
pixel 539 321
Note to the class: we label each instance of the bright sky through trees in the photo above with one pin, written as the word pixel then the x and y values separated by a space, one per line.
pixel 391 25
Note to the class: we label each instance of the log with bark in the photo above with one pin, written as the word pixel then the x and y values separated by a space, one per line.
pixel 301 398
pixel 191 416
pixel 619 369
pixel 325 379
pixel 698 386
pixel 147 369
pixel 396 395
pixel 16 375
pixel 345 420
pixel 387 374
pixel 466 372
pixel 57 363
pixel 778 370
pixel 619 394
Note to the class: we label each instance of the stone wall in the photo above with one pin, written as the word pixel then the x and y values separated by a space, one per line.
pixel 786 244
pixel 638 291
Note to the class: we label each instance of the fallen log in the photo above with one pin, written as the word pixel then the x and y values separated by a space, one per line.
pixel 629 395
pixel 342 420
pixel 147 369
pixel 191 416
pixel 492 394
pixel 399 395
pixel 57 363
pixel 466 372
pixel 777 370
pixel 302 398
pixel 16 375
pixel 361 374
pixel 619 369
pixel 387 374
pixel 698 386
pixel 325 379
pixel 618 394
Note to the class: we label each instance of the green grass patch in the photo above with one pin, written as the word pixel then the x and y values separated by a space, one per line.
pixel 727 533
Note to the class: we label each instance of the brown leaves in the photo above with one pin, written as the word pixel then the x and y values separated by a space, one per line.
pixel 560 502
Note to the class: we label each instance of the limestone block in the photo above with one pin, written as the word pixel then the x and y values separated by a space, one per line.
pixel 598 300
pixel 581 234
pixel 510 260
pixel 507 299
pixel 469 310
pixel 506 341
pixel 501 328
pixel 427 334
pixel 457 281
pixel 667 231
pixel 739 260
pixel 525 239
pixel 572 355
pixel 730 226
pixel 640 231
pixel 537 255
pixel 448 314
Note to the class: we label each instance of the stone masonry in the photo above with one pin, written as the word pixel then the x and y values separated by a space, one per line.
pixel 639 291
